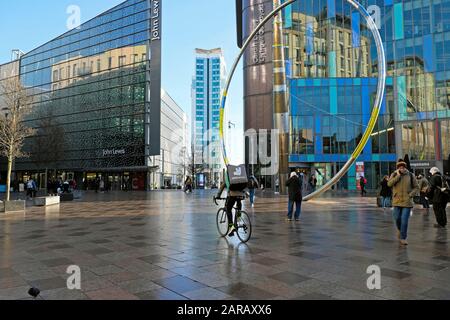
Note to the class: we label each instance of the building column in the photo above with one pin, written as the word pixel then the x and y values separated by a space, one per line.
pixel 280 101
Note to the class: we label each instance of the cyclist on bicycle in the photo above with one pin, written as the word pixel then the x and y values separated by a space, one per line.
pixel 238 182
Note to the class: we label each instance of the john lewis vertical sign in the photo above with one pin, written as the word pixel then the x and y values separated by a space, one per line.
pixel 153 93
pixel 156 20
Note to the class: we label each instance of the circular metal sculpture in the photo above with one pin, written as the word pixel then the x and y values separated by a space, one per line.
pixel 376 109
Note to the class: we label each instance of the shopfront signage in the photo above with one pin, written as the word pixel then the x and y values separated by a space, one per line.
pixel 422 164
pixel 259 49
pixel 113 152
pixel 155 20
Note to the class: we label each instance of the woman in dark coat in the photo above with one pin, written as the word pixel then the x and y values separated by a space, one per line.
pixel 295 196
pixel 439 199
pixel 385 193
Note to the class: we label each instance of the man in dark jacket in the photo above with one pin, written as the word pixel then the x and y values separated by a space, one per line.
pixel 295 196
pixel 438 198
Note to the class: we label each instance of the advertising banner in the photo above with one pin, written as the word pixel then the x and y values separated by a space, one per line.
pixel 359 173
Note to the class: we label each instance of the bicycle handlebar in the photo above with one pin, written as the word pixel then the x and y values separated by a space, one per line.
pixel 215 200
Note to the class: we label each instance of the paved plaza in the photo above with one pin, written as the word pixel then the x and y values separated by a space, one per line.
pixel 165 245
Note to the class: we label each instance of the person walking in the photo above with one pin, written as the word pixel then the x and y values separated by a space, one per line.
pixel 102 185
pixel 96 184
pixel 59 186
pixel 439 198
pixel 253 184
pixel 404 187
pixel 295 196
pixel 385 193
pixel 31 188
pixel 188 185
pixel 312 183
pixel 50 187
pixel 362 184
pixel 423 187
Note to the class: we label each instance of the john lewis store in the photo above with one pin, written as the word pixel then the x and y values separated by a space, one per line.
pixel 97 99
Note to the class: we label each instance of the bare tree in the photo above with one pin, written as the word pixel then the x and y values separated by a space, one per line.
pixel 15 105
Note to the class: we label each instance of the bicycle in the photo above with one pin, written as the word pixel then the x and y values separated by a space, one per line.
pixel 242 222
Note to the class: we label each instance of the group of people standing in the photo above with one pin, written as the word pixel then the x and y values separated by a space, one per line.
pixel 58 186
pixel 101 186
pixel 402 187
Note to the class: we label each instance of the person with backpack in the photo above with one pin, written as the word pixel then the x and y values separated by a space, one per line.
pixel 362 184
pixel 385 193
pixel 423 187
pixel 404 187
pixel 295 196
pixel 252 186
pixel 237 183
pixel 439 190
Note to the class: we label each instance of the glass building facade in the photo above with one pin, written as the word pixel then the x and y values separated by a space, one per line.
pixel 331 66
pixel 172 160
pixel 207 86
pixel 96 93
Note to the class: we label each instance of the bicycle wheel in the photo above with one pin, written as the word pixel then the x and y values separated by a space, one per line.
pixel 222 222
pixel 244 226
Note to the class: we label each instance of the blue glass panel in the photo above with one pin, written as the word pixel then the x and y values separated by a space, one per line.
pixel 288 17
pixel 365 98
pixel 402 102
pixel 389 81
pixel 428 53
pixel 289 68
pixel 398 18
pixel 333 100
pixel 320 158
pixel 309 45
pixel 319 145
pixel 318 126
pixel 383 106
pixel 331 5
pixel 332 64
pixel 356 29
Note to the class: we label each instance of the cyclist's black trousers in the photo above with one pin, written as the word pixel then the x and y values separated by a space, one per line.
pixel 231 201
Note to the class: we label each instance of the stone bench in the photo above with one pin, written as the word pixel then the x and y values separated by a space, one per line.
pixel 12 206
pixel 46 201
pixel 66 197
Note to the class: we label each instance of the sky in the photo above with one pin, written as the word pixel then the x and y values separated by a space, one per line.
pixel 187 24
